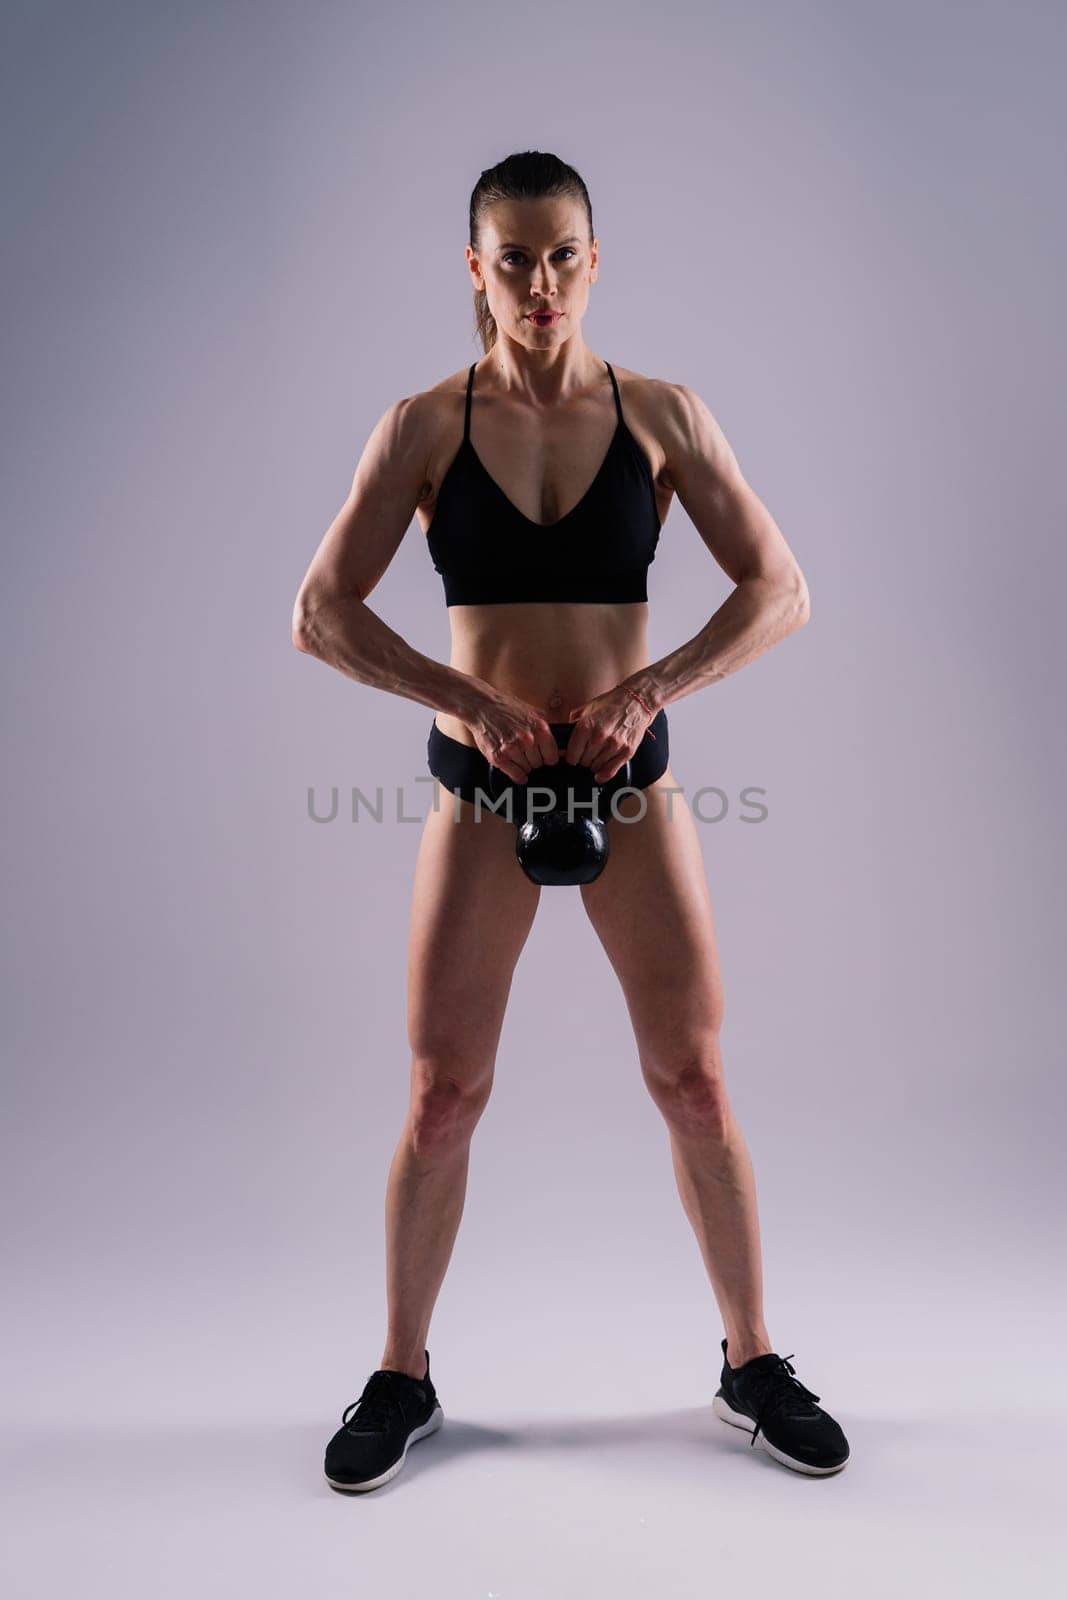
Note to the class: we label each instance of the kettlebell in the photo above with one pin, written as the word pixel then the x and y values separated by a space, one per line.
pixel 552 847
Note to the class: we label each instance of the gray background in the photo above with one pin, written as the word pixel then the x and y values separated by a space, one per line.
pixel 234 233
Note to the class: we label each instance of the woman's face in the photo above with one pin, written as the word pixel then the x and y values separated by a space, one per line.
pixel 534 256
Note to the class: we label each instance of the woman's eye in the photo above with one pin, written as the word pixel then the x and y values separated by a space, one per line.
pixel 566 250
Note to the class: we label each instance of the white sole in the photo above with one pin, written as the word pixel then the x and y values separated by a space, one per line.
pixel 430 1426
pixel 737 1419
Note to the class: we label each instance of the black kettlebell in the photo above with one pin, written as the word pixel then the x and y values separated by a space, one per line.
pixel 553 847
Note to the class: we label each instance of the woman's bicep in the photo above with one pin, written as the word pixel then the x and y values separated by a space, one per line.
pixel 726 511
pixel 388 483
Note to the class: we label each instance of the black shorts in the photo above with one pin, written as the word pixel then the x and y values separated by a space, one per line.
pixel 464 770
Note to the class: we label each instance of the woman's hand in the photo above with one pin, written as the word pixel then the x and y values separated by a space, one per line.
pixel 607 731
pixel 513 736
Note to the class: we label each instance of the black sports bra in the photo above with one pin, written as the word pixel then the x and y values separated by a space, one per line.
pixel 487 551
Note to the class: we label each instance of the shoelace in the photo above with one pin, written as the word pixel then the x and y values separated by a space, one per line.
pixel 375 1406
pixel 780 1389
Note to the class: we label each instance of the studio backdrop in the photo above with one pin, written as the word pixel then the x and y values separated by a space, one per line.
pixel 234 235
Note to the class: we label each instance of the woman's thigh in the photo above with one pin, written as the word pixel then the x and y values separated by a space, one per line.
pixel 472 909
pixel 651 910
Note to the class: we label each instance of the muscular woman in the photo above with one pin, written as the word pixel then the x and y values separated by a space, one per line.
pixel 540 477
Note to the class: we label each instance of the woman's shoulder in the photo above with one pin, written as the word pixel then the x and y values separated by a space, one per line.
pixel 454 383
pixel 651 395
pixel 427 419
pixel 649 405
pixel 434 411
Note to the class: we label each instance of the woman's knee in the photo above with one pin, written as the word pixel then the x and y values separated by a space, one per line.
pixel 689 1088
pixel 447 1098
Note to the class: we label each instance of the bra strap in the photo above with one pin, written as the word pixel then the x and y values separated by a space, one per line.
pixel 614 385
pixel 467 413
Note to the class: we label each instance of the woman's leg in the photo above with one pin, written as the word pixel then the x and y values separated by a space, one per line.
pixel 652 913
pixel 472 909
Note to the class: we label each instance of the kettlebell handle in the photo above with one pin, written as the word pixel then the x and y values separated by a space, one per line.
pixel 499 782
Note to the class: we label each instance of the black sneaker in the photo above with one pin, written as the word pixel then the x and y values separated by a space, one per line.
pixel 766 1399
pixel 392 1412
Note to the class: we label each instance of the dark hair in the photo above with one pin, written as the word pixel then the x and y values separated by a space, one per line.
pixel 527 175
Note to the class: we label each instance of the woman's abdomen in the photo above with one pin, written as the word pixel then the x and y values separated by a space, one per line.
pixel 553 655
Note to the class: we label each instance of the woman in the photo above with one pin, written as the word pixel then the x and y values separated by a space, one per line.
pixel 544 567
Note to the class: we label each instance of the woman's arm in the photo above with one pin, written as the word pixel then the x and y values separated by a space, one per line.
pixel 346 634
pixel 330 618
pixel 770 599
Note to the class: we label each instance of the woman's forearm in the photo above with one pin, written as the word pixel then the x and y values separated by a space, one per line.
pixel 346 634
pixel 756 615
